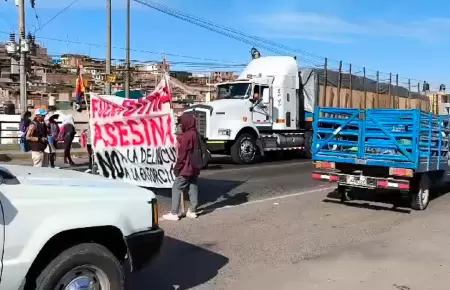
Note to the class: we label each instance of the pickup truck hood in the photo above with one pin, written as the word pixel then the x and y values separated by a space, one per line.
pixel 56 177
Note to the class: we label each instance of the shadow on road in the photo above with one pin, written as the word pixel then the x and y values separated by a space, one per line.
pixel 213 194
pixel 179 264
pixel 222 161
pixel 367 198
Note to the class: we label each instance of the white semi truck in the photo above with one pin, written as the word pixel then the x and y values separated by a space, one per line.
pixel 265 109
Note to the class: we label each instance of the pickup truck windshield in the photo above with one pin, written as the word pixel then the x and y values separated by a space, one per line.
pixel 233 91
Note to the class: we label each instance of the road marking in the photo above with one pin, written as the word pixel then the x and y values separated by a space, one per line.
pixel 322 188
pixel 281 196
pixel 263 165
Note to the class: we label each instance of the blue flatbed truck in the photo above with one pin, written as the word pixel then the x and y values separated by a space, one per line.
pixel 387 149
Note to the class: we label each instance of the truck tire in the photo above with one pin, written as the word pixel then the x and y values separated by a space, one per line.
pixel 345 194
pixel 420 195
pixel 244 149
pixel 205 166
pixel 81 265
pixel 308 145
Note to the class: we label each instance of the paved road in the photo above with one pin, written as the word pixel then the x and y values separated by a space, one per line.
pixel 231 184
pixel 304 240
pixel 271 226
pixel 225 183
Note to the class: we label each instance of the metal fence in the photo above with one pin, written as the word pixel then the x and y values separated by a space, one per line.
pixel 373 88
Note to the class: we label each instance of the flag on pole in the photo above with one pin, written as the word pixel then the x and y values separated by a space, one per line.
pixel 79 89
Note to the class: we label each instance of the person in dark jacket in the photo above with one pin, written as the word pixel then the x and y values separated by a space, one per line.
pixel 53 133
pixel 186 174
pixel 36 135
pixel 25 121
pixel 67 134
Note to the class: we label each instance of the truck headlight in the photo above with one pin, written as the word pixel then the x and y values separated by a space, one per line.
pixel 226 132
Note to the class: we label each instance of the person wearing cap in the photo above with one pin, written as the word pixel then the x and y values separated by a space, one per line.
pixel 37 138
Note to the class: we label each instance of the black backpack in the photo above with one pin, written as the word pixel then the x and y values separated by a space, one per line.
pixel 200 155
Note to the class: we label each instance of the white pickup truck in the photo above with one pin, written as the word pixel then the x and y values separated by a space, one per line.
pixel 69 230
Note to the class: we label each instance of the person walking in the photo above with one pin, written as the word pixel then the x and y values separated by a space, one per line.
pixel 66 134
pixel 36 135
pixel 25 122
pixel 186 169
pixel 53 133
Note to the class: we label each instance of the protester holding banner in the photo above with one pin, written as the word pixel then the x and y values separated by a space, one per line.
pixel 89 150
pixel 187 168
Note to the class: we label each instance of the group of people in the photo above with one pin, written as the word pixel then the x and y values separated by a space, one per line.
pixel 43 134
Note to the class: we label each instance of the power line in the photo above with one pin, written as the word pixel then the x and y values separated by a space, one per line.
pixel 37 19
pixel 236 34
pixel 208 24
pixel 121 48
pixel 56 15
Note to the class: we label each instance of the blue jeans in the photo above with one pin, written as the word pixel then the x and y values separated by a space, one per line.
pixel 180 185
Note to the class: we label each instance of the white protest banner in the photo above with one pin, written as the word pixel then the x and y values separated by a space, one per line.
pixel 134 140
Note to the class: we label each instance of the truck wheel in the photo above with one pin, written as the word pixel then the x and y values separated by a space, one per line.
pixel 420 197
pixel 308 145
pixel 243 151
pixel 85 266
pixel 205 166
pixel 344 193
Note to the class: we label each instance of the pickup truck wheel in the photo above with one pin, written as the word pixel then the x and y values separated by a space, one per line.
pixel 85 266
pixel 244 149
pixel 420 197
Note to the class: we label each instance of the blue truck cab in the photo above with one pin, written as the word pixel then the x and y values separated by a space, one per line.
pixel 387 149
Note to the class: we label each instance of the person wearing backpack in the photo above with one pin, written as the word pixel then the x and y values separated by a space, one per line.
pixel 23 127
pixel 189 162
pixel 36 136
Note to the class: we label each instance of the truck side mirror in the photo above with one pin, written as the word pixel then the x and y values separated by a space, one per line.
pixel 266 96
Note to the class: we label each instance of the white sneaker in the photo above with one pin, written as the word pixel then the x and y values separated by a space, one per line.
pixel 191 215
pixel 171 217
pixel 88 171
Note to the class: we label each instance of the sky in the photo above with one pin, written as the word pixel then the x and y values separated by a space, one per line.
pixel 405 37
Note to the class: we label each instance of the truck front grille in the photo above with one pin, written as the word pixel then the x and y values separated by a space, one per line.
pixel 200 116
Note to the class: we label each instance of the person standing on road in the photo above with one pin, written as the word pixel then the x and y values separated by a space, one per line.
pixel 25 122
pixel 186 169
pixel 89 150
pixel 67 134
pixel 53 133
pixel 36 135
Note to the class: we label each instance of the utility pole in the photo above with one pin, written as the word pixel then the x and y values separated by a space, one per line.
pixel 108 47
pixel 127 64
pixel 23 50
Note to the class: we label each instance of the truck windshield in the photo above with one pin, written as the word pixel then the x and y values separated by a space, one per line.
pixel 233 91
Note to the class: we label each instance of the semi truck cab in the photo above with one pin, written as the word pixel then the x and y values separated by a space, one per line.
pixel 259 112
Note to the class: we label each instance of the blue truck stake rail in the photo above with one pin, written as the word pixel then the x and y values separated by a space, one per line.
pixel 409 139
